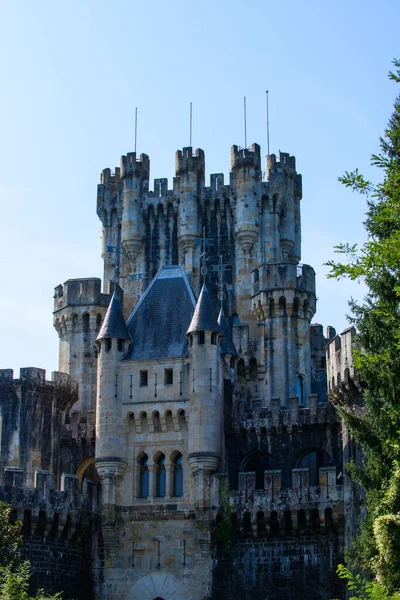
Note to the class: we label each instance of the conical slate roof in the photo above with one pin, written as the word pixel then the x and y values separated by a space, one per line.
pixel 227 345
pixel 114 325
pixel 204 318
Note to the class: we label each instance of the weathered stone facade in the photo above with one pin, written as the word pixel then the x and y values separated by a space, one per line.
pixel 125 473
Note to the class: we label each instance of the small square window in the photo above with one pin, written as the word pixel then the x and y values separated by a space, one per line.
pixel 143 377
pixel 168 376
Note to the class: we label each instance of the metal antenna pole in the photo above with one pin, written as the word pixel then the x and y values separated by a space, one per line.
pixel 191 121
pixel 266 93
pixel 135 128
pixel 245 124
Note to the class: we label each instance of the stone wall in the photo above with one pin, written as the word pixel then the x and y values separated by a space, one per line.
pixel 290 567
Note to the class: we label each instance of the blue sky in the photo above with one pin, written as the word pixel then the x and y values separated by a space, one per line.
pixel 73 72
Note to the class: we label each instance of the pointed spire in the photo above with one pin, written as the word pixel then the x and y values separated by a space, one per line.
pixel 227 345
pixel 203 317
pixel 114 325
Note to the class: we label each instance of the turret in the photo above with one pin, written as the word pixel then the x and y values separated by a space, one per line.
pixel 246 180
pixel 109 211
pixel 188 185
pixel 205 411
pixel 285 189
pixel 111 451
pixel 79 308
pixel 135 177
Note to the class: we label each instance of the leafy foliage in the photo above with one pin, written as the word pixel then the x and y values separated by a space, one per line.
pixel 14 574
pixel 224 530
pixel 377 425
pixel 10 535
pixel 364 590
pixel 14 584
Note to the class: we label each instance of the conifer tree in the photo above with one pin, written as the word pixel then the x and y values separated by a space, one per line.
pixel 376 424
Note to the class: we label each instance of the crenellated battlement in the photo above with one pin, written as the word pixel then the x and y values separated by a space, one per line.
pixel 186 161
pixel 33 376
pixel 253 417
pixel 284 165
pixel 245 158
pixel 133 167
pixel 339 358
pixel 80 292
pixel 107 177
pixel 66 502
pixel 301 495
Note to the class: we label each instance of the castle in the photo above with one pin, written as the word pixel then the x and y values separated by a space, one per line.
pixel 190 402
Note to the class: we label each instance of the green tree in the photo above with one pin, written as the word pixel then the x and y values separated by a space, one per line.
pixel 377 318
pixel 14 574
pixel 10 536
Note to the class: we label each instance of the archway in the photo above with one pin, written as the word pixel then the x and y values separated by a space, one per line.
pixel 159 586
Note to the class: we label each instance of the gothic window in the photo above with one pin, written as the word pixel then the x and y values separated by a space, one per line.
pixel 253 369
pixel 258 462
pixel 161 482
pixel 85 320
pixel 157 421
pixel 144 476
pixel 313 461
pixel 177 488
pixel 261 529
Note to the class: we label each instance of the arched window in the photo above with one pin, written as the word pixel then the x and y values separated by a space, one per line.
pixel 258 462
pixel 144 476
pixel 261 529
pixel 157 421
pixel 177 476
pixel 247 528
pixel 313 461
pixel 161 481
pixel 85 321
pixel 253 369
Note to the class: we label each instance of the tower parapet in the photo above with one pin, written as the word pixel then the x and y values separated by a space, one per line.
pixel 187 162
pixel 245 158
pixel 133 167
